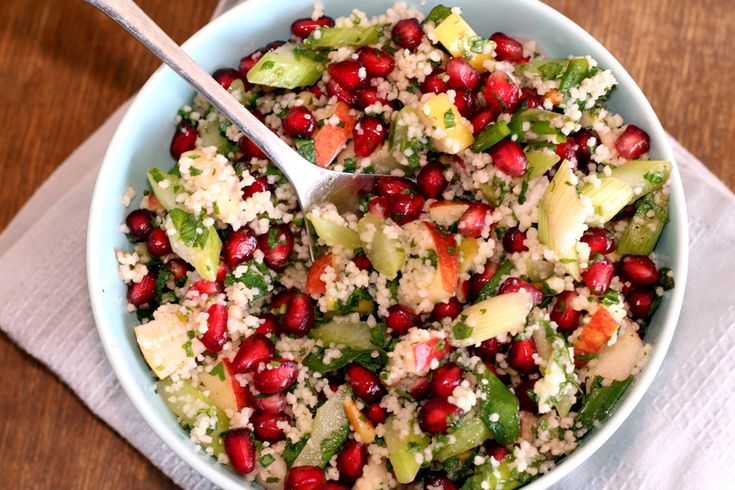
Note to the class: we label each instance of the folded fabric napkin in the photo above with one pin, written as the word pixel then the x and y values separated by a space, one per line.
pixel 680 436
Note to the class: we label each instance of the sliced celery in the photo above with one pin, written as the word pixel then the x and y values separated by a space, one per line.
pixel 646 225
pixel 643 176
pixel 559 384
pixel 289 66
pixel 492 317
pixel 491 135
pixel 534 125
pixel 503 476
pixel 468 435
pixel 353 335
pixel 386 254
pixel 165 193
pixel 336 37
pixel 540 162
pixel 607 199
pixel 201 250
pixel 402 449
pixel 561 218
pixel 329 431
pixel 334 234
pixel 211 136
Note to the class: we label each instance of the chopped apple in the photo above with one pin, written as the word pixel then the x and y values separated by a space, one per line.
pixel 468 249
pixel 163 340
pixel 595 334
pixel 449 131
pixel 447 257
pixel 224 390
pixel 314 283
pixel 616 362
pixel 462 41
pixel 447 213
pixel 425 352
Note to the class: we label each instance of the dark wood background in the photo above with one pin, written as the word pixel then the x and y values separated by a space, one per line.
pixel 64 68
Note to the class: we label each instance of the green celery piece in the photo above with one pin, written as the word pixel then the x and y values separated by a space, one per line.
pixel 643 176
pixel 540 162
pixel 179 397
pixel 575 72
pixel 287 67
pixel 494 316
pixel 211 136
pixel 607 199
pixel 386 254
pixel 646 225
pixel 353 335
pixel 560 364
pixel 490 136
pixel 501 477
pixel 490 288
pixel 498 400
pixel 404 119
pixel 438 14
pixel 402 450
pixel 167 196
pixel 468 435
pixel 539 270
pixel 600 403
pixel 540 124
pixel 200 250
pixel 329 431
pixel 334 234
pixel 337 37
pixel 548 69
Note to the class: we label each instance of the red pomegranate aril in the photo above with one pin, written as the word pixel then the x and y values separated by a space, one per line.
pixel 225 76
pixel 265 426
pixel 259 185
pixel 638 269
pixel 507 48
pixel 369 96
pixel 394 185
pixel 377 62
pixel 240 449
pixel 513 241
pixel 487 349
pixel 350 74
pixel 479 279
pixel 375 413
pixel 437 415
pixel 462 75
pixel 279 302
pixel 586 141
pixel 253 350
pixel 275 376
pixel 450 309
pixel 499 453
pixel 531 98
pixel 567 150
pixel 222 271
pixel 482 119
pixel 445 379
pixel 334 89
pixel 184 139
pixel 523 393
pixel 298 319
pixel 140 293
pixel 439 483
pixel 407 33
pixel 333 485
pixel 365 383
pixel 633 143
pixel 430 181
pixel 420 388
pixel 368 135
pixel 248 62
pixel 351 460
pixel 598 276
pixel 139 223
pixel 566 317
pixel 641 302
pixel 216 335
pixel 513 285
pixel 405 208
pixel 473 221
pixel 466 103
pixel 272 46
pixel 362 262
pixel 277 246
pixel 600 240
pixel 521 355
pixel 302 28
pixel 158 243
pixel 501 93
pixel 434 83
pixel 177 267
pixel 299 122
pixel 239 247
pixel 249 149
pixel 379 206
pixel 210 288
pixel 400 318
pixel 509 158
pixel 305 478
pixel 272 404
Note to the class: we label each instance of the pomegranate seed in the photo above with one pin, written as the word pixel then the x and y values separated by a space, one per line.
pixel 532 99
pixel 474 220
pixel 225 76
pixel 259 185
pixel 216 335
pixel 513 285
pixel 445 379
pixel 638 269
pixel 362 262
pixel 249 149
pixel 222 271
pixel 333 485
pixel 513 241
pixel 299 122
pixel 450 309
pixel 369 96
pixel 265 426
pixel 298 318
pixel 599 240
pixel 566 317
pixel 177 267
pixel 279 302
pixel 140 293
pixel 240 448
pixel 253 350
pixel 334 89
pixel 158 243
pixel 633 143
pixel 508 157
pixel 275 376
pixel 378 206
pixel 586 141
pixel 394 185
pixel 375 413
pixel 184 139
pixel 351 460
pixel 407 33
pixel 239 247
pixel 499 453
pixel 507 48
pixel 365 383
pixel 305 478
pixel 567 150
pixel 277 246
pixel 302 28
pixel 479 280
pixel 430 181
pixel 210 288
pixel 462 75
pixel 487 349
pixel 482 119
pixel 466 103
pixel 405 208
pixel 437 415
pixel 525 399
pixel 440 483
pixel 598 276
pixel 377 62
pixel 140 223
pixel 434 83
pixel 521 355
pixel 369 135
pixel 500 92
pixel 268 326
pixel 641 302
pixel 350 74
pixel 400 318
pixel 273 404
pixel 420 388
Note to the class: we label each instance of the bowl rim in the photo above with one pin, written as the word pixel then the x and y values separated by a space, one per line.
pixel 591 443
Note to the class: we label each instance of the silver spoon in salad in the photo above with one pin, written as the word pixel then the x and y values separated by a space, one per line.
pixel 314 185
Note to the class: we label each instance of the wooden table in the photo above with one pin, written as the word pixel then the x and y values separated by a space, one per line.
pixel 65 68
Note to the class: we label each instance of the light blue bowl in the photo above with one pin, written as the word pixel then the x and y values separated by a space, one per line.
pixel 143 137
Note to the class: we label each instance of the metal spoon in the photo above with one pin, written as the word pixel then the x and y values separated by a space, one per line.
pixel 314 185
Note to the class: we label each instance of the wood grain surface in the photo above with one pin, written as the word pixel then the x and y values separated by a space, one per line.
pixel 64 68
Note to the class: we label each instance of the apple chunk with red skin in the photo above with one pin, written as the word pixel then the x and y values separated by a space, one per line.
pixel 447 257
pixel 447 213
pixel 224 390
